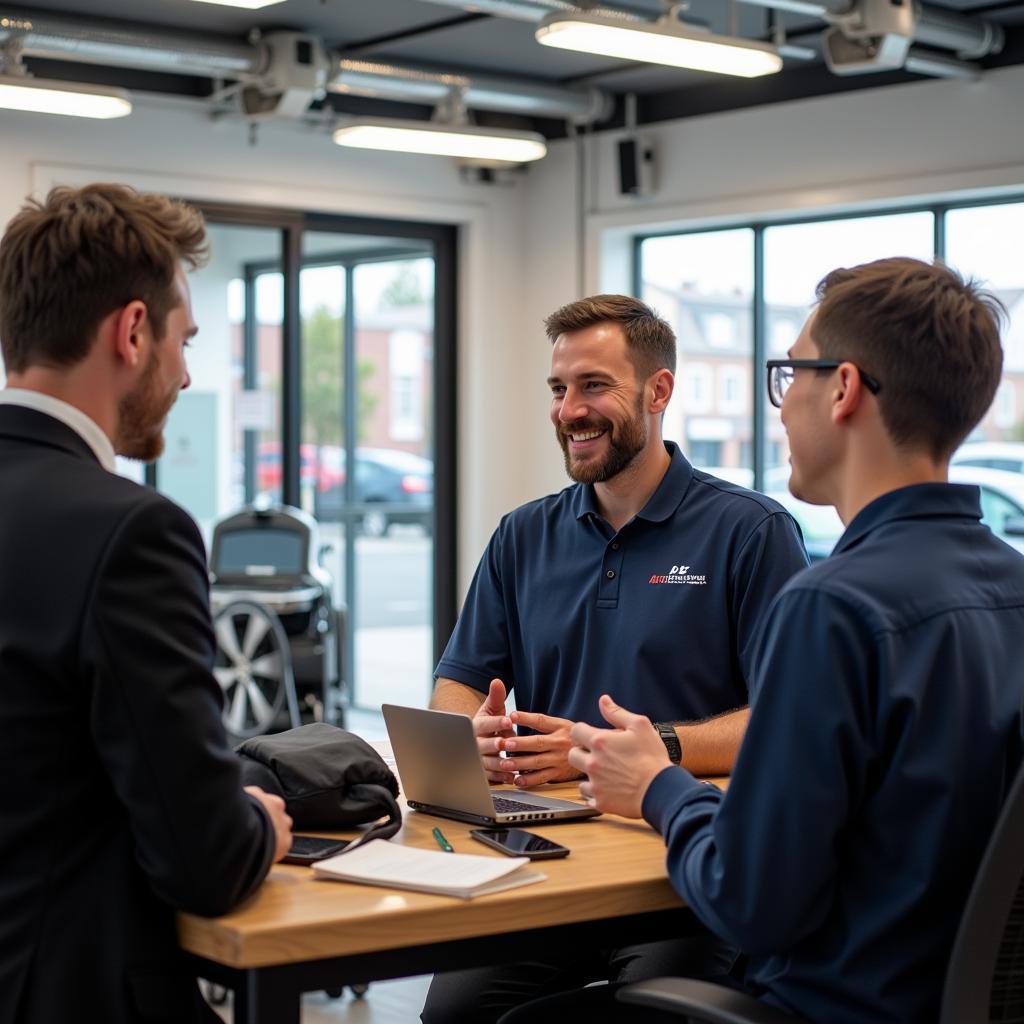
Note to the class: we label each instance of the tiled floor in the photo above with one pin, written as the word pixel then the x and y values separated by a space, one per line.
pixel 387 1002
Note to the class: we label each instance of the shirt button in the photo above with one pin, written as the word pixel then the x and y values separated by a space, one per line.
pixel 610 574
pixel 615 545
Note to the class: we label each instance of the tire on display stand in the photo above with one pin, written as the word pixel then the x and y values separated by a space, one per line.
pixel 253 665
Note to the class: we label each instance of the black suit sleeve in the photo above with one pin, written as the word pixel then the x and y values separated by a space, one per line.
pixel 148 650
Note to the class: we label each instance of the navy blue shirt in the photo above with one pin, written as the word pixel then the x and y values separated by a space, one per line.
pixel 662 615
pixel 885 731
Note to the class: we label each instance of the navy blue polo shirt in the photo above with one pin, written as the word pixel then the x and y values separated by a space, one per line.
pixel 662 615
pixel 885 731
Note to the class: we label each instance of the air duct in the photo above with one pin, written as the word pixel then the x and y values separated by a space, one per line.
pixel 92 41
pixel 481 92
pixel 259 67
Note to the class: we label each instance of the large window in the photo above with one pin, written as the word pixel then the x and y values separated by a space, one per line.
pixel 703 284
pixel 796 258
pixel 739 296
pixel 984 242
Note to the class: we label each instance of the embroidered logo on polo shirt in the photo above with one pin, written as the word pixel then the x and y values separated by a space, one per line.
pixel 681 574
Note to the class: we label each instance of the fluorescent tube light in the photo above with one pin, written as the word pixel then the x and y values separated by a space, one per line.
pixel 46 96
pixel 439 139
pixel 249 5
pixel 659 42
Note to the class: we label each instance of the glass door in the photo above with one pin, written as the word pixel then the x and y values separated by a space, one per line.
pixel 367 306
pixel 324 379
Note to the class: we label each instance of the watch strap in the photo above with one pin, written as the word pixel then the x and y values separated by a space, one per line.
pixel 670 738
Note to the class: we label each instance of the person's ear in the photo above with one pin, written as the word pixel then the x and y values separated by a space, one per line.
pixel 131 333
pixel 660 386
pixel 848 393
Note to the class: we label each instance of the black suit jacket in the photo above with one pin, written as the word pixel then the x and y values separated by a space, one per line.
pixel 121 802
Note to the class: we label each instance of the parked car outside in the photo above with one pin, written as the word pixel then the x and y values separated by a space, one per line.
pixel 820 524
pixel 1002 500
pixel 1002 509
pixel 321 468
pixel 399 484
pixel 1005 455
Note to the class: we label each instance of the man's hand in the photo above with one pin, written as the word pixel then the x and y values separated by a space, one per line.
pixel 541 758
pixel 278 816
pixel 619 763
pixel 492 726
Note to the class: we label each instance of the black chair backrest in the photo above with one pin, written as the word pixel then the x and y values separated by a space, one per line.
pixel 985 978
pixel 279 535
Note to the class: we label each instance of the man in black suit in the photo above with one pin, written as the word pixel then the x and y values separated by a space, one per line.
pixel 121 800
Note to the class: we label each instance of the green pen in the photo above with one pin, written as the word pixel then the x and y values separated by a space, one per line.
pixel 442 842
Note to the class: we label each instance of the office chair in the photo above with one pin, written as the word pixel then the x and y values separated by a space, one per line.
pixel 985 975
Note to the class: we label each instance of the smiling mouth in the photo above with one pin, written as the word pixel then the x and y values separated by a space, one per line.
pixel 581 436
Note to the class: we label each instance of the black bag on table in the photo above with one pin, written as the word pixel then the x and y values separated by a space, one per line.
pixel 328 777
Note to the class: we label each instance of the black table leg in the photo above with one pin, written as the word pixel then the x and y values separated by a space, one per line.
pixel 263 996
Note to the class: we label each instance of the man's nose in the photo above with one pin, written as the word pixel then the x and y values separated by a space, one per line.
pixel 187 381
pixel 572 408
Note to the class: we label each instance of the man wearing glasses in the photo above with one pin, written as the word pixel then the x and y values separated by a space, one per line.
pixel 886 719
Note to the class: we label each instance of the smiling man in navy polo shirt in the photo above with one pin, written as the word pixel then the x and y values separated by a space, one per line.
pixel 647 579
pixel 886 722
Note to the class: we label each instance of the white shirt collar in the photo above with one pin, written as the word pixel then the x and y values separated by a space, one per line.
pixel 87 429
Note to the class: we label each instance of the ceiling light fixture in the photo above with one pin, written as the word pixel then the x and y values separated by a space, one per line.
pixel 47 96
pixel 441 139
pixel 665 41
pixel 249 5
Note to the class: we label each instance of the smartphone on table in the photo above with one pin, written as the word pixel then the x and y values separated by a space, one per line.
pixel 517 842
pixel 309 849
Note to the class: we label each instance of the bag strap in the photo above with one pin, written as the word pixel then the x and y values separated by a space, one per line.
pixel 384 829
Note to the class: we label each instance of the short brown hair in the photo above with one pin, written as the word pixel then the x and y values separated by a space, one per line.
pixel 649 339
pixel 70 261
pixel 928 336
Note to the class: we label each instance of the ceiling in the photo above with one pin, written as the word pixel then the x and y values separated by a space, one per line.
pixel 448 38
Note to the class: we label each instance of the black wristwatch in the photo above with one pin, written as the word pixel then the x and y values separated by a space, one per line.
pixel 670 738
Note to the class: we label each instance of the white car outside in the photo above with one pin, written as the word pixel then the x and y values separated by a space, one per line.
pixel 1005 455
pixel 1002 509
pixel 1002 500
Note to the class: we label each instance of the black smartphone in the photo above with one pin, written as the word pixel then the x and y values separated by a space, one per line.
pixel 307 849
pixel 517 842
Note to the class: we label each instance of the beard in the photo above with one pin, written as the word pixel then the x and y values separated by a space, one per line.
pixel 141 415
pixel 625 442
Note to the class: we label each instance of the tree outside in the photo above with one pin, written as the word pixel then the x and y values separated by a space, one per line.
pixel 323 372
pixel 404 289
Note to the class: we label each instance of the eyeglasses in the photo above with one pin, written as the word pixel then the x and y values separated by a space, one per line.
pixel 780 375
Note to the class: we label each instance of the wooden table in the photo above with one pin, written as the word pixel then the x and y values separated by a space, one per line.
pixel 297 934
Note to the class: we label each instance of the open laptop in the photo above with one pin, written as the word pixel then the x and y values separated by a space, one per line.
pixel 442 774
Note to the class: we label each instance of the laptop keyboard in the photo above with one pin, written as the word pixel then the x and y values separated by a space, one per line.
pixel 505 806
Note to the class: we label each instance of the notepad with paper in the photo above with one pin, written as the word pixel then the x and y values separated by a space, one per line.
pixel 465 875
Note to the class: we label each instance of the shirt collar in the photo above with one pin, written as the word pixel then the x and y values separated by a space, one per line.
pixel 918 501
pixel 661 504
pixel 87 429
